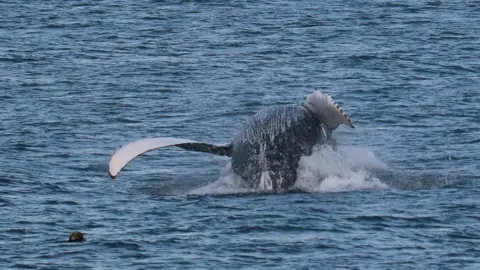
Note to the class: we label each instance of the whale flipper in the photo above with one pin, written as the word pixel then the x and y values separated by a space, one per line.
pixel 128 152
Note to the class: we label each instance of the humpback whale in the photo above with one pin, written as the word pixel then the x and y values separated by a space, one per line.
pixel 266 152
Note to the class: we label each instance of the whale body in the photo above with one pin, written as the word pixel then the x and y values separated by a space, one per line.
pixel 266 152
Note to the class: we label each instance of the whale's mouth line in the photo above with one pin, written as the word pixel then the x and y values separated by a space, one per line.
pixel 321 122
pixel 317 116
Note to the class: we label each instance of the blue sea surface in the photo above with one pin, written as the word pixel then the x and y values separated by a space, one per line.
pixel 79 79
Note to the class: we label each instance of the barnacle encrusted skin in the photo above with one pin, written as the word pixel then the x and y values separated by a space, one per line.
pixel 270 146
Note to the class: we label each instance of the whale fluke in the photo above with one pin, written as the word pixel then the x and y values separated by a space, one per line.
pixel 128 152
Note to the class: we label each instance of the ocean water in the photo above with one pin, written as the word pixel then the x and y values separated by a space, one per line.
pixel 78 79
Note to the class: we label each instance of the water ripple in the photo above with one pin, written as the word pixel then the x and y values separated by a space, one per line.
pixel 79 79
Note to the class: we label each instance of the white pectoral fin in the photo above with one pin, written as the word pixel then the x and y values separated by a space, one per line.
pixel 329 111
pixel 128 152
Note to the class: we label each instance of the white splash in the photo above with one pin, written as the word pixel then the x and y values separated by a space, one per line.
pixel 326 170
pixel 228 183
pixel 265 182
pixel 344 169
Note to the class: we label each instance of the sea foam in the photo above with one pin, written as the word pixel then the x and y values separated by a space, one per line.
pixel 344 168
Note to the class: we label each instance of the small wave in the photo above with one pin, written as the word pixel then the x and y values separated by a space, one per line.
pixel 26 266
pixel 129 245
pixel 17 231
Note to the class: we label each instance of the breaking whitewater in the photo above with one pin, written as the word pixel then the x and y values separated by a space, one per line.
pixel 328 169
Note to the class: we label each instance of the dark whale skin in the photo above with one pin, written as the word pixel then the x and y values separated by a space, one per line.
pixel 273 142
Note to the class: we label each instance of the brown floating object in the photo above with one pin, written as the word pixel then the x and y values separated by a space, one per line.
pixel 76 237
